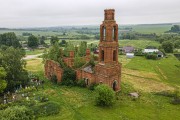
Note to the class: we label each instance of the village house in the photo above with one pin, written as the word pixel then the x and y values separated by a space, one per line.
pixel 128 49
pixel 153 50
pixel 129 55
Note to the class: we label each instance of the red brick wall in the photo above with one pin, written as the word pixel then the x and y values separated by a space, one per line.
pixel 53 68
pixel 81 75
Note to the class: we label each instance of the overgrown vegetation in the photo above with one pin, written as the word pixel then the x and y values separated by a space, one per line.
pixel 69 77
pixel 11 60
pixel 17 113
pixel 105 95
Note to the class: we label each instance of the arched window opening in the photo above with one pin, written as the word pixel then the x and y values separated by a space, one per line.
pixel 114 55
pixel 102 55
pixel 87 81
pixel 104 33
pixel 114 33
pixel 115 85
pixel 112 16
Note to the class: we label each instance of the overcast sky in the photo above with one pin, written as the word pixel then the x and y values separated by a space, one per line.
pixel 45 13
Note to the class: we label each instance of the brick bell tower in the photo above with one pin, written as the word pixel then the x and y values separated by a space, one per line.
pixel 108 70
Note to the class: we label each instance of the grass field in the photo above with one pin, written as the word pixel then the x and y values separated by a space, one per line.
pixel 135 43
pixel 35 65
pixel 138 74
pixel 36 33
pixel 167 68
pixel 35 52
pixel 158 29
pixel 138 43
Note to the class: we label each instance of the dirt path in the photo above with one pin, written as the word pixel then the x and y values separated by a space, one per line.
pixel 28 57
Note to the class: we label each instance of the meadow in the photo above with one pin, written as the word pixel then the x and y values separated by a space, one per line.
pixel 146 29
pixel 147 77
pixel 138 43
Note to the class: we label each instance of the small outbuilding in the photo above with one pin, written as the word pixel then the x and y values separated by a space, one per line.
pixel 150 50
pixel 129 55
pixel 160 54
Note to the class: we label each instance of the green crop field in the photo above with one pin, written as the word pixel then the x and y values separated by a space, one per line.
pixel 36 33
pixel 34 52
pixel 138 43
pixel 158 29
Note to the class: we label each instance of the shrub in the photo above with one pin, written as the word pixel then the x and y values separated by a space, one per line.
pixel 152 56
pixel 3 106
pixel 93 86
pixel 69 77
pixel 105 95
pixel 81 83
pixel 17 113
pixel 25 103
pixel 54 79
pixel 176 101
pixel 139 53
pixel 29 89
pixel 92 62
pixel 79 62
pixel 46 109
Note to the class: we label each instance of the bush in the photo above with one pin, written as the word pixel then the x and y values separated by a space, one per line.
pixel 46 109
pixel 25 103
pixel 69 77
pixel 17 113
pixel 105 95
pixel 93 86
pixel 152 56
pixel 139 53
pixel 3 106
pixel 81 83
pixel 175 101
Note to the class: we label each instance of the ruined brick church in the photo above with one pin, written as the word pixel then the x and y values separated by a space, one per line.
pixel 108 69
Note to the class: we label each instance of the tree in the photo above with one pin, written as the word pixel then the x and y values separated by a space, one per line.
pixel 26 34
pixel 152 56
pixel 9 39
pixel 42 40
pixel 69 47
pixel 84 37
pixel 92 62
pixel 82 49
pixel 33 41
pixel 54 53
pixel 177 44
pixel 105 95
pixel 54 39
pixel 79 62
pixel 69 76
pixel 63 43
pixel 175 28
pixel 11 60
pixel 168 46
pixel 3 83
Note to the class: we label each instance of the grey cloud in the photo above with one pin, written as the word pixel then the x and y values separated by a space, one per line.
pixel 32 13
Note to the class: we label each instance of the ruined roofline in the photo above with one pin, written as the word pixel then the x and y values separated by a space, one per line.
pixel 109 9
